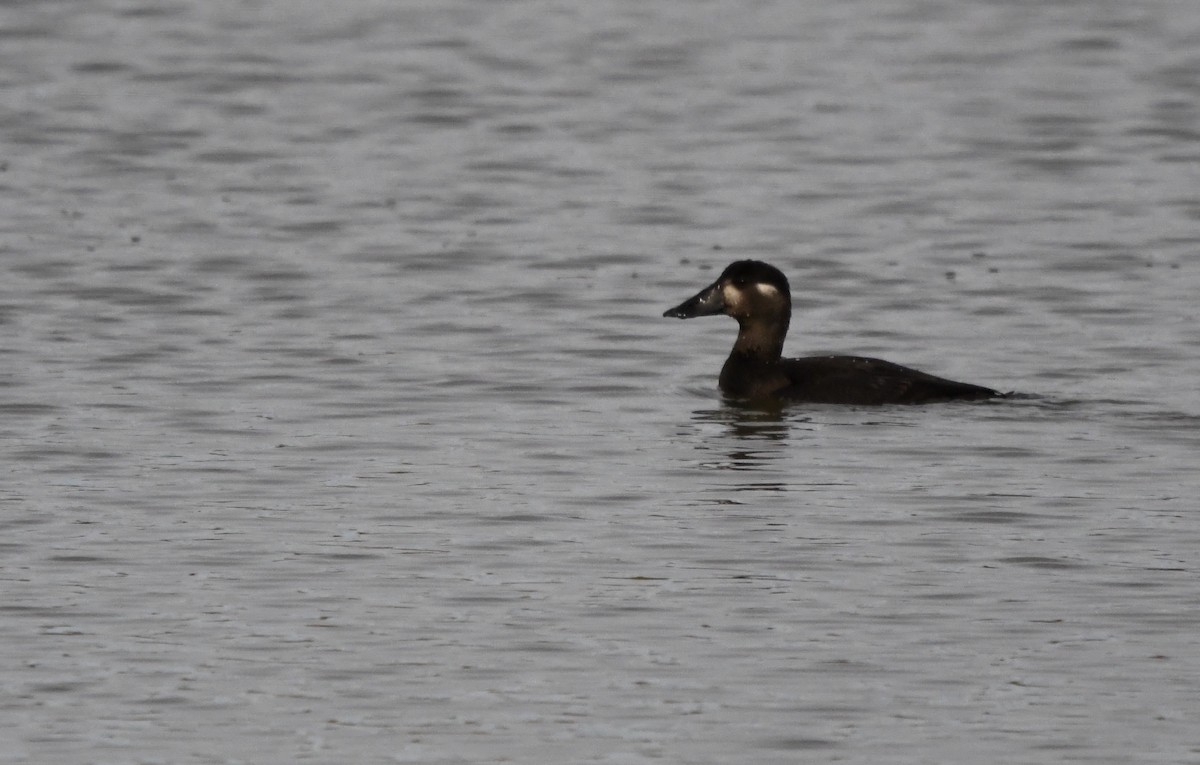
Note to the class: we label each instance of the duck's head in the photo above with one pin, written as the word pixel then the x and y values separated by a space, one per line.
pixel 748 290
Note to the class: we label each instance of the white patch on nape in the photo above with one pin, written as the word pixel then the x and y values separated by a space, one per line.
pixel 766 290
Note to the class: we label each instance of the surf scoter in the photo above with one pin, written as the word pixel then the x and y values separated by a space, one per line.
pixel 757 295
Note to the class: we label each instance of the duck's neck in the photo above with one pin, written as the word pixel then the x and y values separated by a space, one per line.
pixel 762 339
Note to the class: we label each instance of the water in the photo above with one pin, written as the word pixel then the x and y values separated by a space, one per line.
pixel 340 423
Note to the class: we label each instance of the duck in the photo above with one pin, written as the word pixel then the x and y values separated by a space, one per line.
pixel 758 296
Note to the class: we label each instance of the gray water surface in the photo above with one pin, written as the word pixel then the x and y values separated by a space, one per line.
pixel 340 423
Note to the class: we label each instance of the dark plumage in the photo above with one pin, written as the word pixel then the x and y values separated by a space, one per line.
pixel 758 296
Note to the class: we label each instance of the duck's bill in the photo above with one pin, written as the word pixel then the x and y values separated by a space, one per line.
pixel 706 302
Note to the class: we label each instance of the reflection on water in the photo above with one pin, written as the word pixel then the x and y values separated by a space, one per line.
pixel 750 421
pixel 749 438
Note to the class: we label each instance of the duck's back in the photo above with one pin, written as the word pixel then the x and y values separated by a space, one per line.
pixel 860 380
pixel 845 380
